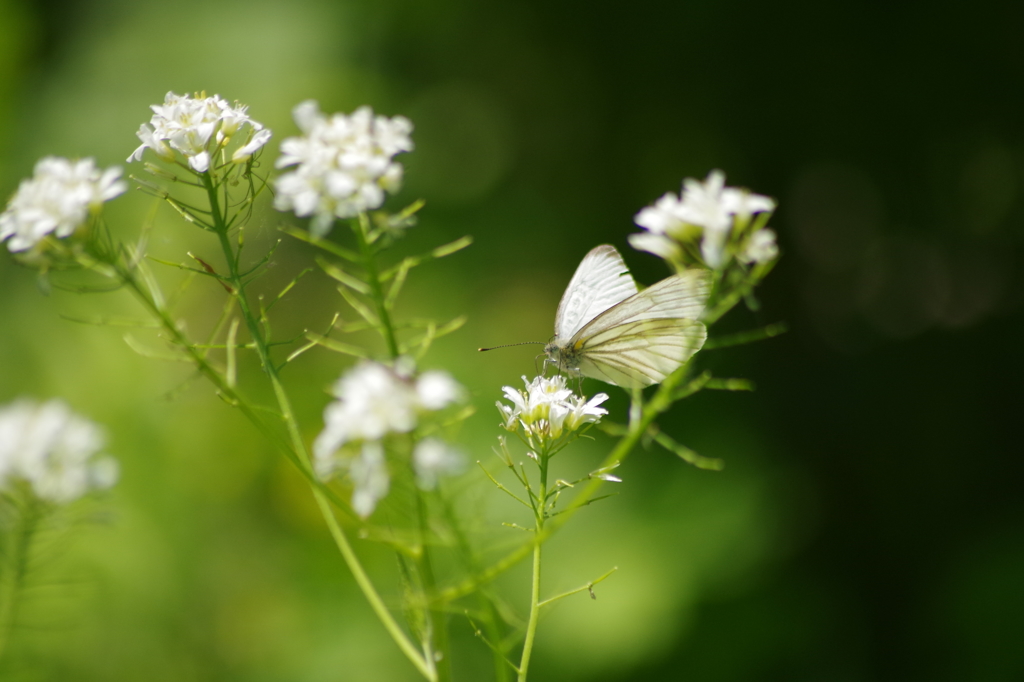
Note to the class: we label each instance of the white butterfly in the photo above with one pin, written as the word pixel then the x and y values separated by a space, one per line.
pixel 606 329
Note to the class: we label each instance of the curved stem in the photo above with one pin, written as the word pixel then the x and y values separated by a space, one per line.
pixel 298 446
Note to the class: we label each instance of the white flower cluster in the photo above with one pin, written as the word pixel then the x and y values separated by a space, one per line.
pixel 706 211
pixel 374 400
pixel 57 199
pixel 344 164
pixel 547 409
pixel 189 125
pixel 52 450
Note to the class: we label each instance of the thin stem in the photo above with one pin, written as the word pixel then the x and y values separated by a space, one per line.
pixel 488 610
pixel 299 448
pixel 436 648
pixel 535 605
pixel 658 403
pixel 376 290
pixel 370 592
pixel 15 560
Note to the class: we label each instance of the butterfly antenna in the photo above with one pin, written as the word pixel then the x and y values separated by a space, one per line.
pixel 507 345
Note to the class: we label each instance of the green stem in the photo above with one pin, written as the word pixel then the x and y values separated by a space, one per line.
pixel 299 446
pixel 540 512
pixel 373 279
pixel 488 610
pixel 15 561
pixel 437 631
pixel 370 592
pixel 658 403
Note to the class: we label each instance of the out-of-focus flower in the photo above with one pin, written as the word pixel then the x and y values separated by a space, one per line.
pixel 57 199
pixel 53 450
pixel 704 212
pixel 370 480
pixel 436 390
pixel 344 164
pixel 760 248
pixel 433 458
pixel 374 400
pixel 197 128
pixel 548 410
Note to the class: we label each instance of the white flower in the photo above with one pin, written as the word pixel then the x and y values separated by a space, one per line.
pixel 436 390
pixel 374 400
pixel 57 199
pixel 370 481
pixel 53 450
pixel 585 411
pixel 547 409
pixel 703 203
pixel 706 209
pixel 197 127
pixel 256 141
pixel 658 244
pixel 761 247
pixel 433 458
pixel 344 164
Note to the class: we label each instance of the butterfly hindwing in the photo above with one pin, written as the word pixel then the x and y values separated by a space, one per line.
pixel 601 281
pixel 641 352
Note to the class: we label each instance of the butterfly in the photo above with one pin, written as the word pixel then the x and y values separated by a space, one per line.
pixel 607 329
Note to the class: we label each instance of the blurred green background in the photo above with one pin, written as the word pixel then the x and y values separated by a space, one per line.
pixel 869 524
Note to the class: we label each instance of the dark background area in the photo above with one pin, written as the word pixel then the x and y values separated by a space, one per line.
pixel 891 136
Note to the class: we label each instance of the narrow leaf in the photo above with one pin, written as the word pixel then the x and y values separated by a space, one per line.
pixel 688 455
pixel 114 322
pixel 328 246
pixel 337 346
pixel 154 354
pixel 747 337
pixel 730 384
pixel 351 281
pixel 359 307
pixel 232 374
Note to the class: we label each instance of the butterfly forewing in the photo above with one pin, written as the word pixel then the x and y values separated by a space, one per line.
pixel 681 296
pixel 601 281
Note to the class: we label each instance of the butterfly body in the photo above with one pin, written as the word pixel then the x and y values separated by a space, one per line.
pixel 607 329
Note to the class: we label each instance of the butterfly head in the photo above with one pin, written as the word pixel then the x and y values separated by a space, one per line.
pixel 565 357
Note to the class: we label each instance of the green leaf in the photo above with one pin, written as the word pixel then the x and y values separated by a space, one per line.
pixel 440 252
pixel 688 455
pixel 359 307
pixel 288 287
pixel 351 281
pixel 331 344
pixel 741 338
pixel 320 243
pixel 729 385
pixel 155 354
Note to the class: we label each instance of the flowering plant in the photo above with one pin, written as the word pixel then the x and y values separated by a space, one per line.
pixel 382 461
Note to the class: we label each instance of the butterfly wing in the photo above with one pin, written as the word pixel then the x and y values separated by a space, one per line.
pixel 679 296
pixel 642 352
pixel 601 281
pixel 643 339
